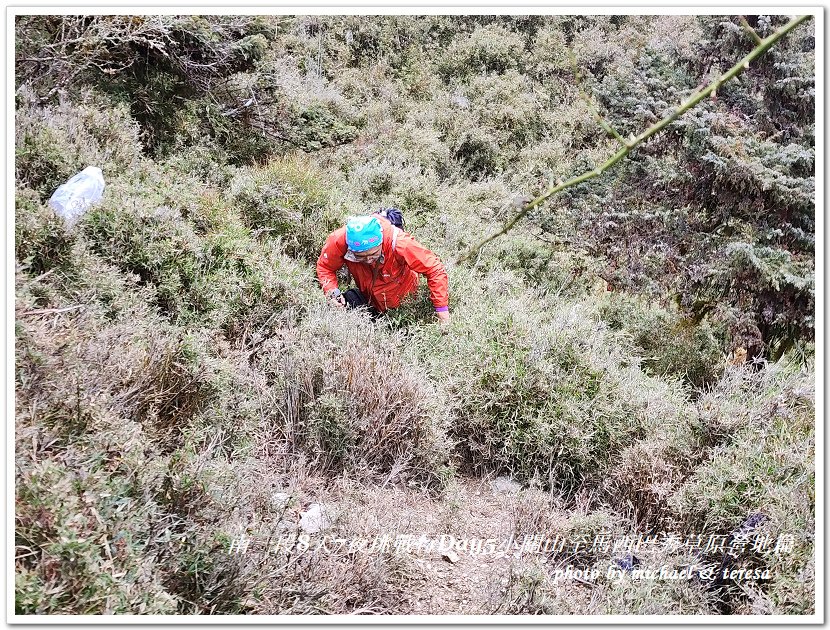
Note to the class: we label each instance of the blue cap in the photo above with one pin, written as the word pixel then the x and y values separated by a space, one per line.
pixel 363 233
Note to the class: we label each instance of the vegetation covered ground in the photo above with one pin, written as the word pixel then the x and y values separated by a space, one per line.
pixel 634 361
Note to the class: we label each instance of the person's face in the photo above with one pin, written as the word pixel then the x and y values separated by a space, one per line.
pixel 369 256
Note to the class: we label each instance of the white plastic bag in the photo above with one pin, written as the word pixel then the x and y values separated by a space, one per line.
pixel 73 198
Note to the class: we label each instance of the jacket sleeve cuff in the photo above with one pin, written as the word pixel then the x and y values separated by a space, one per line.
pixel 442 309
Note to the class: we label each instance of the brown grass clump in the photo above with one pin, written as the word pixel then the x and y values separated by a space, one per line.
pixel 351 404
pixel 98 405
pixel 645 477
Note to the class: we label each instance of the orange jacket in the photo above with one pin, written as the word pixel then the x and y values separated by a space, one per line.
pixel 386 282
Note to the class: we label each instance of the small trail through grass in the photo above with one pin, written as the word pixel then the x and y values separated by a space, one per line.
pixel 469 561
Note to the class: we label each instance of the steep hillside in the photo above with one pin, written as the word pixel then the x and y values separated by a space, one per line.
pixel 627 385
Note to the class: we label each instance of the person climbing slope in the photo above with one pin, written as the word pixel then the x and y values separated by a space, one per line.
pixel 384 261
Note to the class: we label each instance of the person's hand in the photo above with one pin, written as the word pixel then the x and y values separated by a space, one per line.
pixel 336 299
pixel 444 321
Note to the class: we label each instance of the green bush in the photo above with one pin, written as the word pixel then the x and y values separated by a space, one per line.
pixel 41 240
pixel 540 265
pixel 478 154
pixel 762 425
pixel 263 288
pixel 288 198
pixel 506 107
pixel 395 182
pixel 317 127
pixel 220 277
pixel 201 163
pixel 418 143
pixel 97 411
pixel 539 393
pixel 548 55
pixel 774 293
pixel 670 344
pixel 152 243
pixel 490 48
pixel 52 143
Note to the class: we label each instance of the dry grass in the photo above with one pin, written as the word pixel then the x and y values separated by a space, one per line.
pixel 349 402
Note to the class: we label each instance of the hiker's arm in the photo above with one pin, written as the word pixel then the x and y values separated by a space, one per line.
pixel 423 261
pixel 330 260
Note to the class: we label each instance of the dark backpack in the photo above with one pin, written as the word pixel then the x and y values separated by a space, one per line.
pixel 394 216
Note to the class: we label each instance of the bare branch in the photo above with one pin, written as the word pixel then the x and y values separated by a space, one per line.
pixel 49 311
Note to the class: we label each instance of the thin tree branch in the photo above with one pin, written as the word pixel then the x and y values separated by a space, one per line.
pixel 750 30
pixel 602 122
pixel 693 100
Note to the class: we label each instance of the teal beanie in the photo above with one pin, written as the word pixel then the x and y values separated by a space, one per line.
pixel 363 233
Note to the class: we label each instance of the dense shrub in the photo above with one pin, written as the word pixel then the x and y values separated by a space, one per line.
pixel 671 345
pixel 506 107
pixel 763 465
pixel 203 263
pixel 42 241
pixel 421 143
pixel 775 287
pixel 96 412
pixel 540 394
pixel 391 182
pixel 52 143
pixel 548 55
pixel 478 154
pixel 674 215
pixel 152 243
pixel 491 48
pixel 151 65
pixel 287 198
pixel 541 266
